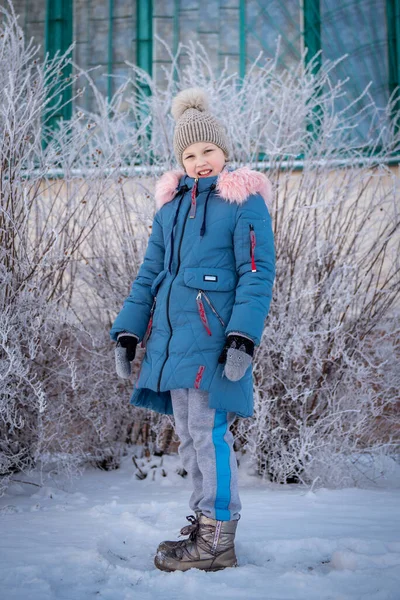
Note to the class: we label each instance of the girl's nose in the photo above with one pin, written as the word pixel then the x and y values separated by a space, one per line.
pixel 201 163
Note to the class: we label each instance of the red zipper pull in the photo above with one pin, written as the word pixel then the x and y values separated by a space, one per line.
pixel 252 248
pixel 192 213
pixel 202 313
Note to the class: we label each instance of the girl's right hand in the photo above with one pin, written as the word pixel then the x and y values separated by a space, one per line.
pixel 125 352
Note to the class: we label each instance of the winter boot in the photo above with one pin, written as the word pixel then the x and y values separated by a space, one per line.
pixel 211 549
pixel 189 530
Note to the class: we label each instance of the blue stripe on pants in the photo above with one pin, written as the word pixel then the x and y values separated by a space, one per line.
pixel 223 469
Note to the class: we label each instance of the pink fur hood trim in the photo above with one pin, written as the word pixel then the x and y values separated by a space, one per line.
pixel 233 186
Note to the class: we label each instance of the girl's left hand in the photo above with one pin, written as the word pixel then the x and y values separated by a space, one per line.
pixel 237 356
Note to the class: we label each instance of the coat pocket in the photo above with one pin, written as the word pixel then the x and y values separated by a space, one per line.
pixel 154 289
pixel 205 281
pixel 150 325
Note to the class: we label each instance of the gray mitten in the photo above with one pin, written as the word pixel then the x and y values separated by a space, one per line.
pixel 237 363
pixel 125 353
pixel 237 356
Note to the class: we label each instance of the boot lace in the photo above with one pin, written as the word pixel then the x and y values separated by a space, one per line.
pixel 192 529
pixel 195 533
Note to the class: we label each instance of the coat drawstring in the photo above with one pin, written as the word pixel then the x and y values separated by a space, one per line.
pixel 203 225
pixel 182 191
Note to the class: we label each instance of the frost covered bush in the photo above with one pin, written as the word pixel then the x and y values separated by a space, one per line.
pixel 326 383
pixel 59 397
pixel 326 373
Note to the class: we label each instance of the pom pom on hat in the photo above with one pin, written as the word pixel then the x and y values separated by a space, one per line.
pixel 190 98
pixel 194 122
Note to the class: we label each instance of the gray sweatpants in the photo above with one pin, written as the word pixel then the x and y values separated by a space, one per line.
pixel 206 450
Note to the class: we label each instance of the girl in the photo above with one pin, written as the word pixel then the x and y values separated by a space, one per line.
pixel 198 305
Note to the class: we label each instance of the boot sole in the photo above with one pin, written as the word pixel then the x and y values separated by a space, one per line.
pixel 193 565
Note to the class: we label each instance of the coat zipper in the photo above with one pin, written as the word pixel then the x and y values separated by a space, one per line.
pixel 193 200
pixel 202 312
pixel 252 248
pixel 168 297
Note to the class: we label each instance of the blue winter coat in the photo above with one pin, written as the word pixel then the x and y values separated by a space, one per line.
pixel 208 271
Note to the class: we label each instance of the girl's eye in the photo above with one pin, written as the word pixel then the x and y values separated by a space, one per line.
pixel 186 157
pixel 209 150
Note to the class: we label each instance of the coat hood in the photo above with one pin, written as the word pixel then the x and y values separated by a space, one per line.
pixel 233 186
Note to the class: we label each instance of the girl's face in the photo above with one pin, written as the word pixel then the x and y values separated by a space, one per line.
pixel 203 159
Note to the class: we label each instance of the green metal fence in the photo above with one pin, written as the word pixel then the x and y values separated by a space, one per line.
pixel 58 38
pixel 109 32
pixel 393 36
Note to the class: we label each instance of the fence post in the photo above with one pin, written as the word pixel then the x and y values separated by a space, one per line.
pixel 393 29
pixel 58 38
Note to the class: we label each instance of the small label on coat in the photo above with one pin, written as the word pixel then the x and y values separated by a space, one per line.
pixel 210 278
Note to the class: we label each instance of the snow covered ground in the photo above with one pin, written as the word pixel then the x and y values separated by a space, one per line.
pixel 97 540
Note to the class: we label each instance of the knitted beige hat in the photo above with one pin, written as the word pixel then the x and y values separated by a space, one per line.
pixel 194 123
